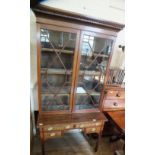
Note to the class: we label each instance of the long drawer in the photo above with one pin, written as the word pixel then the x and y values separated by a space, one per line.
pixel 71 126
pixel 114 104
pixel 58 127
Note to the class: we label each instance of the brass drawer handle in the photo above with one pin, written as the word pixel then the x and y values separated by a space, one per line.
pixel 50 128
pixel 118 95
pixel 40 124
pixel 52 134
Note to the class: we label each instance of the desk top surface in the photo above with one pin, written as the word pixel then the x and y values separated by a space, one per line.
pixel 70 118
pixel 118 118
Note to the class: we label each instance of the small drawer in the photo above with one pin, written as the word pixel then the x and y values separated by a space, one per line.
pixel 68 126
pixel 93 130
pixel 53 127
pixel 52 134
pixel 90 124
pixel 115 104
pixel 82 125
pixel 113 94
pixel 97 123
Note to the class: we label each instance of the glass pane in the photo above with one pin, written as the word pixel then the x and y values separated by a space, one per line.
pixel 56 69
pixel 95 54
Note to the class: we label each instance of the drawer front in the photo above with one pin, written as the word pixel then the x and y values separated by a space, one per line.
pixel 90 124
pixel 115 104
pixel 93 130
pixel 58 127
pixel 113 94
pixel 48 135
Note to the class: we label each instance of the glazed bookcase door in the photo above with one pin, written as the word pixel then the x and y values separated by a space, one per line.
pixel 57 55
pixel 95 53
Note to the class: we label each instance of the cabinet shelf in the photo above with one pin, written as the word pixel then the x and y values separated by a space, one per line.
pixel 61 91
pixel 101 55
pixel 82 92
pixel 66 92
pixel 63 71
pixel 91 72
pixel 49 94
pixel 55 71
pixel 98 55
pixel 92 93
pixel 57 50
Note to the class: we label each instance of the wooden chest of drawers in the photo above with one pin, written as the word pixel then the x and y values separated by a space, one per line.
pixel 114 99
pixel 56 125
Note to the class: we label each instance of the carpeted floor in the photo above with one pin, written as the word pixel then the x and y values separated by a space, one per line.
pixel 74 143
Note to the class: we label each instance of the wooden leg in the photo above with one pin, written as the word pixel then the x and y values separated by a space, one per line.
pixel 42 141
pixel 42 147
pixel 97 142
pixel 115 138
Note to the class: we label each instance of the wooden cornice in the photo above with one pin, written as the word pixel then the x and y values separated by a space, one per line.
pixel 49 12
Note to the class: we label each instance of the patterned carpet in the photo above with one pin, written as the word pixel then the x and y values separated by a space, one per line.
pixel 74 143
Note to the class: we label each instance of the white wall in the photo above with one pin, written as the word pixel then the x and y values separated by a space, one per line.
pixel 33 68
pixel 33 60
pixel 119 56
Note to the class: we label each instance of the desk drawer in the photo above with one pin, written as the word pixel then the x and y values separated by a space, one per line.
pixel 58 127
pixel 115 104
pixel 93 130
pixel 48 135
pixel 113 94
pixel 89 124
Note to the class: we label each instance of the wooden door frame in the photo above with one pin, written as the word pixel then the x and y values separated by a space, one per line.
pixel 63 29
pixel 95 34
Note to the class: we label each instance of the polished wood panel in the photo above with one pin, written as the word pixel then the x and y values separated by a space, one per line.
pixel 118 117
pixel 44 119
